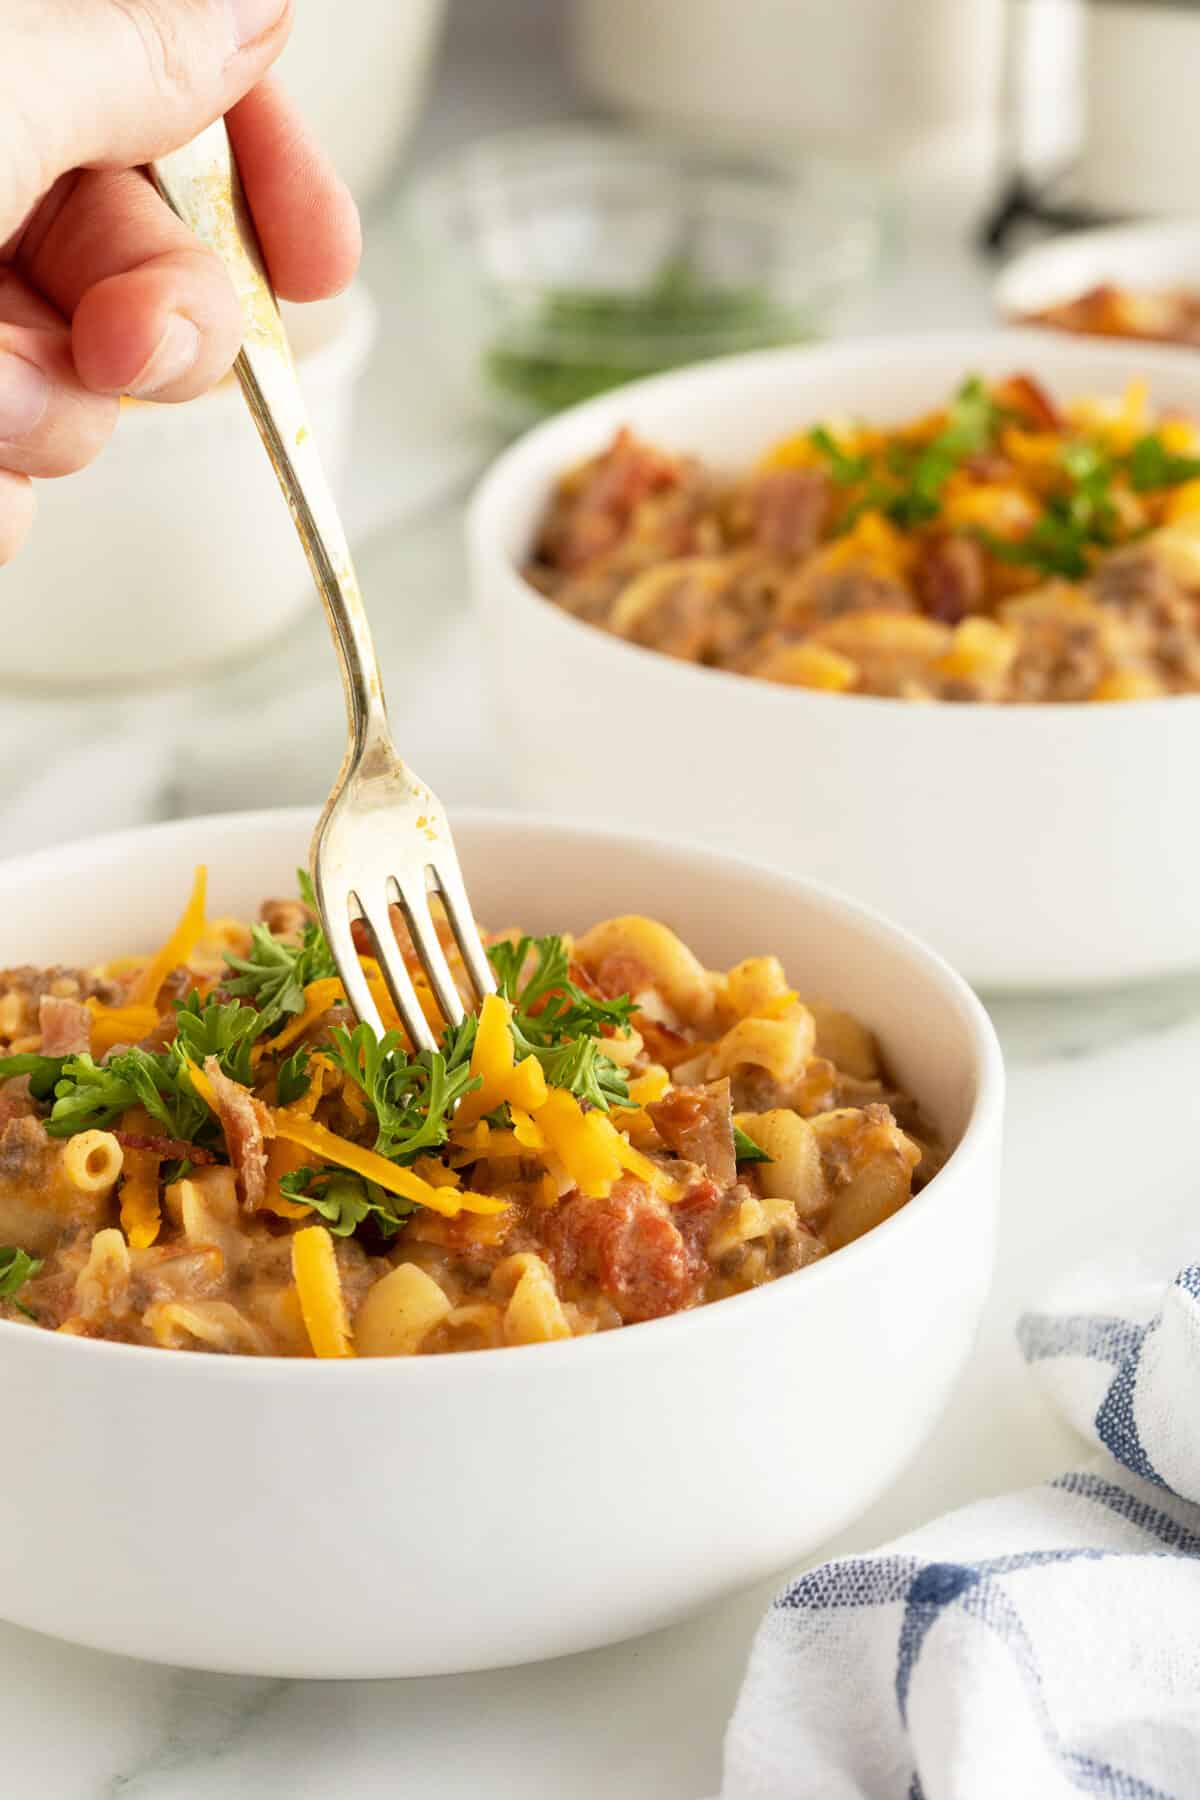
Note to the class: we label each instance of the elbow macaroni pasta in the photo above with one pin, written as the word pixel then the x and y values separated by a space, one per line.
pixel 758 1133
pixel 900 562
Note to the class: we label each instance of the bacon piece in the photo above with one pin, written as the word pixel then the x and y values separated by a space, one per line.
pixel 242 1121
pixel 697 1124
pixel 952 579
pixel 168 1149
pixel 592 518
pixel 791 509
pixel 1029 397
pixel 663 1044
pixel 629 1247
pixel 65 1026
pixel 620 973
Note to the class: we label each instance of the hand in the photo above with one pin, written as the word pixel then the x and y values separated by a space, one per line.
pixel 103 291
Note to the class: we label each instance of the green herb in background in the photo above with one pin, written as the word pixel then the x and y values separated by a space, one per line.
pixel 16 1268
pixel 583 341
pixel 1152 465
pixel 1073 525
pixel 906 483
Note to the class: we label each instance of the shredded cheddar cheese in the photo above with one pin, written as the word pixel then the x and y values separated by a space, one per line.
pixel 284 1158
pixel 390 1176
pixel 319 1286
pixel 178 947
pixel 113 1025
pixel 141 1218
pixel 319 996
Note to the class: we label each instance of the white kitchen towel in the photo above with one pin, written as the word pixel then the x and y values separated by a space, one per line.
pixel 1038 1646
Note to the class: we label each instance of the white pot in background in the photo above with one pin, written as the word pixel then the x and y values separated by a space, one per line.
pixel 1139 80
pixel 877 77
pixel 174 551
pixel 360 73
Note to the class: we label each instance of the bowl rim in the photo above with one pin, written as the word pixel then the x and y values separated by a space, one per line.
pixel 1037 263
pixel 945 1188
pixel 490 497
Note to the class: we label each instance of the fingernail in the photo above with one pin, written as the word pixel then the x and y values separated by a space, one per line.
pixel 174 354
pixel 252 19
pixel 24 396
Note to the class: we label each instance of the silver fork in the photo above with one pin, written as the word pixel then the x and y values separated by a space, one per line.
pixel 383 836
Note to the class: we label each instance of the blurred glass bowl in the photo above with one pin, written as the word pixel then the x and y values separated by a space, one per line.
pixel 562 262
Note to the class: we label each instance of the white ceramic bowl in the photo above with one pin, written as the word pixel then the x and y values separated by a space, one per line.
pixel 174 552
pixel 429 1515
pixel 362 90
pixel 1158 253
pixel 1034 846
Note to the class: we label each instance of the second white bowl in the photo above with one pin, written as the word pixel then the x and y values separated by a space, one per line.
pixel 173 552
pixel 1035 846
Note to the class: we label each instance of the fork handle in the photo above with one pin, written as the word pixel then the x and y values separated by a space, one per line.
pixel 201 184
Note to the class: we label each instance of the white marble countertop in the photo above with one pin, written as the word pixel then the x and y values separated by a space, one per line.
pixel 1102 1152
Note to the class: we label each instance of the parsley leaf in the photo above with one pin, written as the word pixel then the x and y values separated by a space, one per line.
pixel 91 1096
pixel 293 1079
pixel 43 1071
pixel 413 1098
pixel 275 974
pixel 272 977
pixel 344 1201
pixel 970 424
pixel 905 481
pixel 224 1030
pixel 844 468
pixel 579 1065
pixel 1073 523
pixel 1152 465
pixel 16 1268
pixel 562 1005
pixel 560 1024
pixel 745 1149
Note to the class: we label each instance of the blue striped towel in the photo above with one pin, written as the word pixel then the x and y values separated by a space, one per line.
pixel 1041 1645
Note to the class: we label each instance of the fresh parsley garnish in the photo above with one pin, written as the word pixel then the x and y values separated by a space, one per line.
pixel 905 481
pixel 844 468
pixel 560 1024
pixel 345 1201
pixel 274 975
pixel 1152 465
pixel 223 1029
pixel 91 1096
pixel 16 1268
pixel 293 1079
pixel 970 426
pixel 413 1097
pixel 745 1149
pixel 1074 523
pixel 43 1072
pixel 579 1065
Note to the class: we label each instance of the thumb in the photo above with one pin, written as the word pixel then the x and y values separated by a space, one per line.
pixel 114 83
